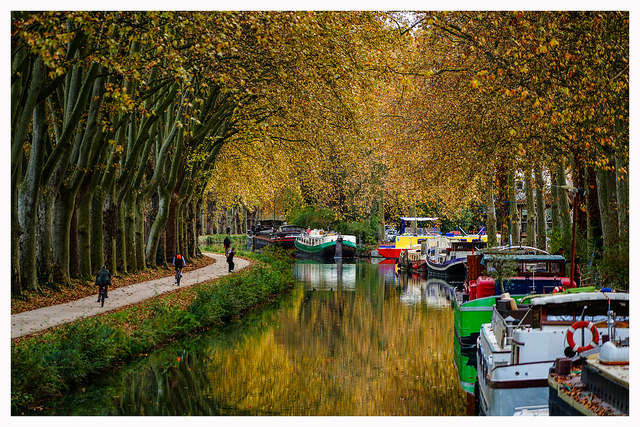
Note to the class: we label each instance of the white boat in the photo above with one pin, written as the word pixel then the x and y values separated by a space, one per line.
pixel 520 345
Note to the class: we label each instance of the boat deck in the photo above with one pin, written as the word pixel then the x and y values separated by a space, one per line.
pixel 571 395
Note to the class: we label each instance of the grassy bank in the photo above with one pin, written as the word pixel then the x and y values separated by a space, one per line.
pixel 215 242
pixel 49 364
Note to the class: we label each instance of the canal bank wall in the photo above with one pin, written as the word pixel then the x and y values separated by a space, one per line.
pixel 51 363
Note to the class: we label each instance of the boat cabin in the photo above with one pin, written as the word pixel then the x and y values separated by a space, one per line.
pixel 534 274
pixel 528 265
pixel 463 248
pixel 287 229
pixel 568 308
pixel 554 314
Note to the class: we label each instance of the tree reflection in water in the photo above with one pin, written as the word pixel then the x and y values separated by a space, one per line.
pixel 358 348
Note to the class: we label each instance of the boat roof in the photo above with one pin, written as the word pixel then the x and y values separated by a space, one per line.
pixel 410 218
pixel 524 258
pixel 580 297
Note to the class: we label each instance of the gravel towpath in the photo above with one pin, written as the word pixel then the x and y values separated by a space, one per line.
pixel 30 322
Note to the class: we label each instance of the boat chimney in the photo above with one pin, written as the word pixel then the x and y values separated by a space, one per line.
pixel 611 325
pixel 338 253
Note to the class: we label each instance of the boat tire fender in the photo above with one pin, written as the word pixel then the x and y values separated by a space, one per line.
pixel 595 337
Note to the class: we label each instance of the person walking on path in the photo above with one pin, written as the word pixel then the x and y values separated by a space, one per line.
pixel 230 255
pixel 227 243
pixel 178 263
pixel 103 281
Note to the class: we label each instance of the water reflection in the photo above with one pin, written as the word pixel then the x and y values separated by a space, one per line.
pixel 325 277
pixel 351 339
pixel 417 289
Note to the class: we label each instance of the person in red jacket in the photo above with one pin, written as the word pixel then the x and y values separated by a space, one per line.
pixel 178 263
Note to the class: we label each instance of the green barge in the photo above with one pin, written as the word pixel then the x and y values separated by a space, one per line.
pixel 325 245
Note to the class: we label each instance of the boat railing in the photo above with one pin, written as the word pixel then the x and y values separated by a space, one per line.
pixel 514 250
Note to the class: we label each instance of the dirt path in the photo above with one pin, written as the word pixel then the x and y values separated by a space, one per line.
pixel 29 322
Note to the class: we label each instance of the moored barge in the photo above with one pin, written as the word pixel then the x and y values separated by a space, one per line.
pixel 517 349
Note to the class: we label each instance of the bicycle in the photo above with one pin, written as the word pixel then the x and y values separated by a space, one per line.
pixel 102 294
pixel 178 276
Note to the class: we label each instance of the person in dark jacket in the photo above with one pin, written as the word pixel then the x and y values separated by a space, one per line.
pixel 230 255
pixel 103 280
pixel 227 243
pixel 178 263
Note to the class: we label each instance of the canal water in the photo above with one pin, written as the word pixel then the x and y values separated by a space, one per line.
pixel 350 339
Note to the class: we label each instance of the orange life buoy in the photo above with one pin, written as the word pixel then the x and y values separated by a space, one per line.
pixel 594 336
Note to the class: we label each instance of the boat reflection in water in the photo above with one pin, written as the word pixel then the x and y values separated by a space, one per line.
pixel 326 276
pixel 417 289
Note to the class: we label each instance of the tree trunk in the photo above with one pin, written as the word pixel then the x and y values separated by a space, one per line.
pixel 515 213
pixel 181 243
pixel 130 231
pixel 608 210
pixel 46 222
pixel 555 212
pixel 197 226
pixel 502 209
pixel 541 209
pixel 184 217
pixel 563 200
pixel 83 216
pixel 125 264
pixel 139 234
pixel 74 267
pixel 234 220
pixel 412 213
pixel 531 209
pixel 16 231
pixel 172 230
pixel 622 196
pixel 243 228
pixel 158 226
pixel 44 259
pixel 381 235
pixel 594 224
pixel 28 202
pixel 100 254
pixel 108 214
pixel 492 238
pixel 579 181
pixel 62 213
pixel 27 208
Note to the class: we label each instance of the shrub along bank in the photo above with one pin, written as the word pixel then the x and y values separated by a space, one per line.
pixel 51 363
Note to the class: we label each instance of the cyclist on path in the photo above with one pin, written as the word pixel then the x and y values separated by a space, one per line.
pixel 178 263
pixel 103 281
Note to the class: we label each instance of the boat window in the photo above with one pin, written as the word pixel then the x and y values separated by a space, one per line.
pixel 554 267
pixel 595 318
pixel 535 267
pixel 559 317
pixel 596 312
